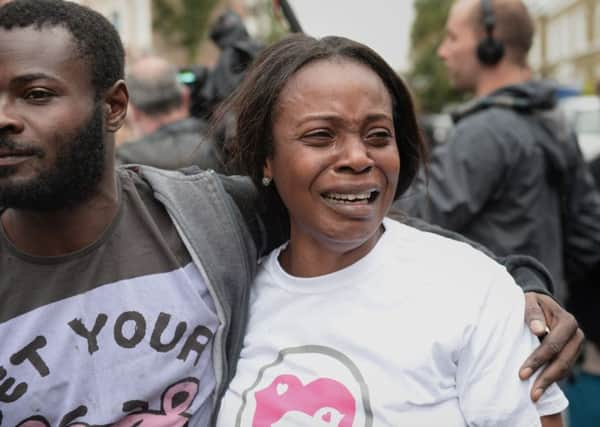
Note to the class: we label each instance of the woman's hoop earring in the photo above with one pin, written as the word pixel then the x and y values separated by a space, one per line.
pixel 266 180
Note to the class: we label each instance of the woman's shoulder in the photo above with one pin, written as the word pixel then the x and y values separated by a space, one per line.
pixel 436 256
pixel 434 243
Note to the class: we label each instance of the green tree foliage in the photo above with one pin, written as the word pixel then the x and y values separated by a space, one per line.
pixel 276 27
pixel 183 22
pixel 428 76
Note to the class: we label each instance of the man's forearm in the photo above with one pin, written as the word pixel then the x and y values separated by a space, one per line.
pixel 529 274
pixel 268 224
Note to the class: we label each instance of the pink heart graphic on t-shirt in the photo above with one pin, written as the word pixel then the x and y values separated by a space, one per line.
pixel 323 399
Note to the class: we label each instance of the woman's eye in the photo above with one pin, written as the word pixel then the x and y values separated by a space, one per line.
pixel 318 134
pixel 379 137
pixel 319 137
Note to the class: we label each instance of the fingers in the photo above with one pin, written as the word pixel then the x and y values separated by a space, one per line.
pixel 563 329
pixel 559 348
pixel 534 316
pixel 560 367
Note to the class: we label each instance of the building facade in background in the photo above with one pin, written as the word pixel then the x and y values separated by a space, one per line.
pixel 133 20
pixel 567 44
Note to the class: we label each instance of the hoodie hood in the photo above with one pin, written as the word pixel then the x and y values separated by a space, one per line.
pixel 531 96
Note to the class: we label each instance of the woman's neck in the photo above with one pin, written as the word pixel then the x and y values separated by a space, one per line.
pixel 306 256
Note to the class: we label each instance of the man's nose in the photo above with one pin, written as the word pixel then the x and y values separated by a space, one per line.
pixel 9 120
pixel 441 50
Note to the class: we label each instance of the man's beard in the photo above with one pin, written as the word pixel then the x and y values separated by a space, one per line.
pixel 74 177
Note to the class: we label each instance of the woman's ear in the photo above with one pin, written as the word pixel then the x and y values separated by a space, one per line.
pixel 267 171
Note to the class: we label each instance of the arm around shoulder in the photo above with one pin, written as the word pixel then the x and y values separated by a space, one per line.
pixel 529 273
pixel 268 228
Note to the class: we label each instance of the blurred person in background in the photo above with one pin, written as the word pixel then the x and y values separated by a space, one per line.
pixel 511 175
pixel 595 168
pixel 237 50
pixel 160 112
pixel 595 163
pixel 210 86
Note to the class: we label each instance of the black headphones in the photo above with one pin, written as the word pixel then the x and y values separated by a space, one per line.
pixel 489 50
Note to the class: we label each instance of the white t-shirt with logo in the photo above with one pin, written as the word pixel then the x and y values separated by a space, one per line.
pixel 423 331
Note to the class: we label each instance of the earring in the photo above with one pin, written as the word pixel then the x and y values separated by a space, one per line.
pixel 266 180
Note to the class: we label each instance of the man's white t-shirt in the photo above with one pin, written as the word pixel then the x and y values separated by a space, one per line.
pixel 423 331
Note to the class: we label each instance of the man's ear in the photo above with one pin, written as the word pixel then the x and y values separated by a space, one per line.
pixel 116 99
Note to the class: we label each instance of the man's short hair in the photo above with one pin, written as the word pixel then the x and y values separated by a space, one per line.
pixel 96 39
pixel 155 93
pixel 513 27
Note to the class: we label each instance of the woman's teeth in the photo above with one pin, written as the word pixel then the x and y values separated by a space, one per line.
pixel 349 197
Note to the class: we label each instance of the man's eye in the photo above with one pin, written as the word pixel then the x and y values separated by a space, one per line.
pixel 38 95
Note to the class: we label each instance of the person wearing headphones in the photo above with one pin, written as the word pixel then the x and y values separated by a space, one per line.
pixel 511 175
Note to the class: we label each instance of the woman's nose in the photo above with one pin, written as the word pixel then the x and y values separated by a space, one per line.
pixel 354 156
